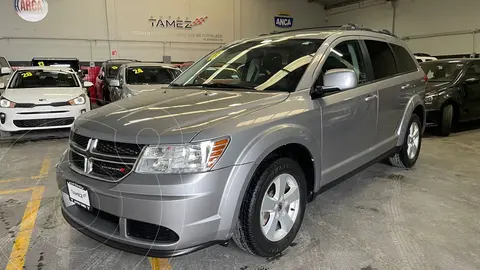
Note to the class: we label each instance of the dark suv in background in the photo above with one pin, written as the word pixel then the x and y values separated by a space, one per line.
pixel 108 72
pixel 452 93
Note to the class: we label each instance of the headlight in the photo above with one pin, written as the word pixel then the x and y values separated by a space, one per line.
pixel 428 99
pixel 184 158
pixel 78 100
pixel 5 103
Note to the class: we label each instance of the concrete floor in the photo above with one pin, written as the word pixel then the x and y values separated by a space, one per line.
pixel 382 218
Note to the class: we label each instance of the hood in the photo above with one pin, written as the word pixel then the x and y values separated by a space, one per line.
pixel 171 115
pixel 434 87
pixel 47 95
pixel 139 89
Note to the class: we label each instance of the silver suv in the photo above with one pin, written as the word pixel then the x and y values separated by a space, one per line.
pixel 215 157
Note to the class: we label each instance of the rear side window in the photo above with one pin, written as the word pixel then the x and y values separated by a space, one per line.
pixel 382 58
pixel 405 62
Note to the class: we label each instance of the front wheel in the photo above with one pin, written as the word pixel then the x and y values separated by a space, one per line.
pixel 408 154
pixel 273 208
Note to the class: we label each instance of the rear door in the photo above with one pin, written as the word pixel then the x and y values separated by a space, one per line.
pixel 395 77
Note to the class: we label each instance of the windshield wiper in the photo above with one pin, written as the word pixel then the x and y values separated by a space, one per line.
pixel 225 85
pixel 214 85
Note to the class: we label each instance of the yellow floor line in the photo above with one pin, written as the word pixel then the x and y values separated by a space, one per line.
pixel 22 241
pixel 44 170
pixel 11 191
pixel 159 264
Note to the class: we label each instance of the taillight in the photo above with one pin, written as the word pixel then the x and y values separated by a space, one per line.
pixel 425 78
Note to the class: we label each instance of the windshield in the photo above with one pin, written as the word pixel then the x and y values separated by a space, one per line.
pixel 442 71
pixel 43 79
pixel 276 65
pixel 148 75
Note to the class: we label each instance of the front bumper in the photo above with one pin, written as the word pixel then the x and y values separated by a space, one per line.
pixel 187 205
pixel 47 117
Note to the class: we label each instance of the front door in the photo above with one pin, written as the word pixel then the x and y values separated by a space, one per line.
pixel 349 117
pixel 471 84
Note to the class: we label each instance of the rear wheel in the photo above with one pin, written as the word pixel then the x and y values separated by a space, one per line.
pixel 446 121
pixel 408 154
pixel 273 209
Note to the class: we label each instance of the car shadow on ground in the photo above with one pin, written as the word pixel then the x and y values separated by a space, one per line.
pixel 460 128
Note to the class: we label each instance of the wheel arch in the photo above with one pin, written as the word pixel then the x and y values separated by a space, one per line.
pixel 415 105
pixel 286 140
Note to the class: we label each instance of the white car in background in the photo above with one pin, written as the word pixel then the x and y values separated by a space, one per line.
pixel 39 98
pixel 424 57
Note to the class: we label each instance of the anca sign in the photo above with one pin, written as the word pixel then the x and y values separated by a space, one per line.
pixel 177 23
pixel 283 20
pixel 31 10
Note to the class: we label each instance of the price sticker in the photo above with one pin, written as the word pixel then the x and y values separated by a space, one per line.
pixel 114 67
pixel 215 55
pixel 137 70
pixel 41 64
pixel 27 74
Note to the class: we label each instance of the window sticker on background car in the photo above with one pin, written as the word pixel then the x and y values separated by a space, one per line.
pixel 41 64
pixel 114 67
pixel 430 74
pixel 27 74
pixel 137 70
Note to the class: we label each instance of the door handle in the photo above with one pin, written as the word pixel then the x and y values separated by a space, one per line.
pixel 370 97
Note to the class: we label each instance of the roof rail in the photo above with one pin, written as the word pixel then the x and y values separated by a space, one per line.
pixel 348 26
pixel 121 60
pixel 307 28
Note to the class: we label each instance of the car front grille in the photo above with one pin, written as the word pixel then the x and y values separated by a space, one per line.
pixel 122 149
pixel 32 105
pixel 52 122
pixel 103 160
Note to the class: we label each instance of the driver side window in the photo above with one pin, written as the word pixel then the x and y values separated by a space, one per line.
pixel 345 55
pixel 473 72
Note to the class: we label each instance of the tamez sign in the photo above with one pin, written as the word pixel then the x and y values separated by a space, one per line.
pixel 283 20
pixel 31 10
pixel 177 23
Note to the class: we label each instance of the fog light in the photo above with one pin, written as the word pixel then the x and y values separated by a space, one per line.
pixel 2 118
pixel 83 111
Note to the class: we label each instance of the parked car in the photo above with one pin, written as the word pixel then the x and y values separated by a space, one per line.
pixel 5 71
pixel 424 57
pixel 38 98
pixel 205 161
pixel 135 78
pixel 108 72
pixel 452 93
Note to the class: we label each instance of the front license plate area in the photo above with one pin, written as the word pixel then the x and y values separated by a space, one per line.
pixel 78 195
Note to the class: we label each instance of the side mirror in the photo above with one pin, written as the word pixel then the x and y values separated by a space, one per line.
pixel 5 71
pixel 2 85
pixel 472 80
pixel 336 80
pixel 115 83
pixel 87 84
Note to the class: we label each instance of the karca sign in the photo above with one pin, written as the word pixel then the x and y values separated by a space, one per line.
pixel 177 23
pixel 283 20
pixel 31 10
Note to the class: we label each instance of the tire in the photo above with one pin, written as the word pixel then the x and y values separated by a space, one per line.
pixel 249 234
pixel 402 159
pixel 446 121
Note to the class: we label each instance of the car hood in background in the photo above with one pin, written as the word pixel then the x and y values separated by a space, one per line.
pixel 139 89
pixel 42 95
pixel 434 87
pixel 170 116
